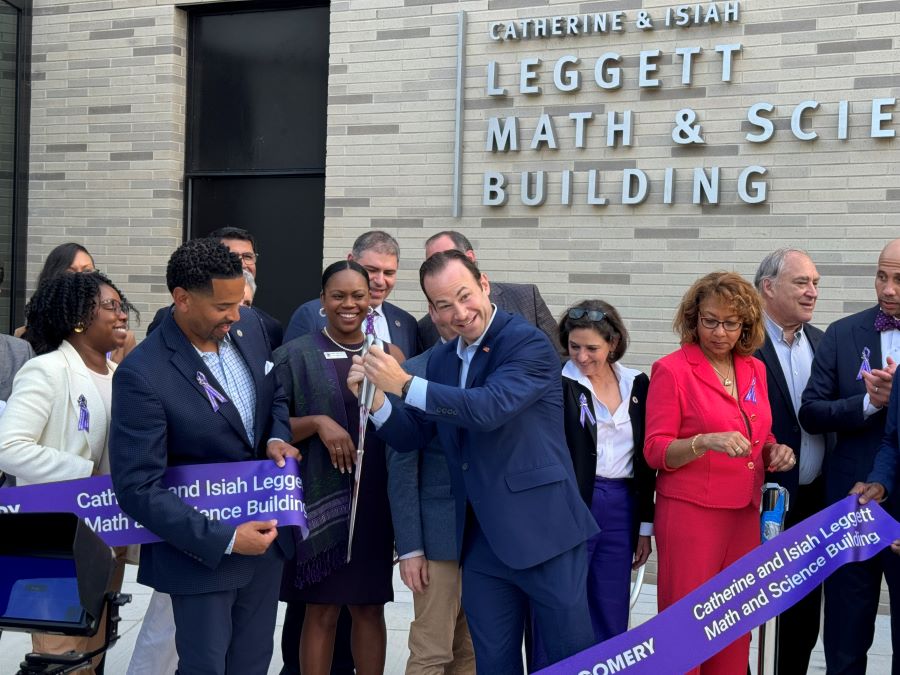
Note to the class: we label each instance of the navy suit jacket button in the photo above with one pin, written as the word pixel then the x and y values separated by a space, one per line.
pixel 465 466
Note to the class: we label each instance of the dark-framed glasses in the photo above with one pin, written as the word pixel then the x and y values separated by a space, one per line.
pixel 113 305
pixel 592 314
pixel 711 324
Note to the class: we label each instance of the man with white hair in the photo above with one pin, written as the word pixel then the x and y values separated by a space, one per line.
pixel 788 285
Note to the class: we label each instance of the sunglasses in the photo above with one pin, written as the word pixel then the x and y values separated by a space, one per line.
pixel 592 314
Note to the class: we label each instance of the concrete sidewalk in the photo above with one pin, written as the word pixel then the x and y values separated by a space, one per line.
pixel 398 614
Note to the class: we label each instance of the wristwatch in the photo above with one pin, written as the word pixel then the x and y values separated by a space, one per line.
pixel 405 389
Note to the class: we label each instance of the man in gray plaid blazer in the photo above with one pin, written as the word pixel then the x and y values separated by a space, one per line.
pixel 522 299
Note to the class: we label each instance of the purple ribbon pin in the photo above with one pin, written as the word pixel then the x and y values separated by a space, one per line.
pixel 864 366
pixel 751 393
pixel 585 411
pixel 215 397
pixel 84 417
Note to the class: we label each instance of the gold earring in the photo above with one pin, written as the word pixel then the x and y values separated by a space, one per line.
pixel 79 327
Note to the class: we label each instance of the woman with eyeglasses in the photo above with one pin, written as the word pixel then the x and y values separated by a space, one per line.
pixel 604 405
pixel 72 257
pixel 56 421
pixel 709 434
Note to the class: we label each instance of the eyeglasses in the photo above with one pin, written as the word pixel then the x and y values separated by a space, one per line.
pixel 592 314
pixel 248 257
pixel 113 305
pixel 711 324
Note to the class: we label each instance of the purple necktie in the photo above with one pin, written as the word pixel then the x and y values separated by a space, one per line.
pixel 885 322
pixel 370 322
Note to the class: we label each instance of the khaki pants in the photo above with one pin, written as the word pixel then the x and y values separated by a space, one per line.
pixel 439 640
pixel 44 643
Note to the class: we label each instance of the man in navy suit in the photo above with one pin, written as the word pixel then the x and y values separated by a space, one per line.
pixel 523 299
pixel 379 253
pixel 788 285
pixel 493 396
pixel 849 387
pixel 198 390
pixel 242 243
pixel 423 512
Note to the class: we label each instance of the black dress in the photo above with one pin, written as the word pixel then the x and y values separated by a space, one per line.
pixel 367 578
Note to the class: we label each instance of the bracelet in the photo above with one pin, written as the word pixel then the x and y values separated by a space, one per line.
pixel 405 389
pixel 694 449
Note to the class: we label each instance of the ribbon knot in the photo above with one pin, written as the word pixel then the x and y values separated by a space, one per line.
pixel 751 392
pixel 214 395
pixel 885 322
pixel 84 417
pixel 585 411
pixel 864 366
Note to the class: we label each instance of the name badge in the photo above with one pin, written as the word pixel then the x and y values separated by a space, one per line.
pixel 335 355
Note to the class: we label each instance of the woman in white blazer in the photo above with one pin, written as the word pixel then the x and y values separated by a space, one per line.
pixel 56 421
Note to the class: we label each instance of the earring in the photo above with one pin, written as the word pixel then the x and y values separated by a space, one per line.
pixel 321 311
pixel 79 327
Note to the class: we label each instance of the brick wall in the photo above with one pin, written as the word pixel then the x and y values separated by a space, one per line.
pixel 107 138
pixel 108 146
pixel 390 150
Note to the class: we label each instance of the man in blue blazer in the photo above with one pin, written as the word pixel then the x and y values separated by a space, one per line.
pixel 848 389
pixel 493 397
pixel 198 390
pixel 379 253
pixel 423 513
pixel 242 243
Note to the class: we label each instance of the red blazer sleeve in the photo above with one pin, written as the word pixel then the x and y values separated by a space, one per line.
pixel 663 415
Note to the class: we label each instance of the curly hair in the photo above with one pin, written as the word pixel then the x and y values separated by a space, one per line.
pixel 63 302
pixel 611 327
pixel 59 260
pixel 731 289
pixel 195 264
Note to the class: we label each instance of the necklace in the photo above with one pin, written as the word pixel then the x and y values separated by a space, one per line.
pixel 725 380
pixel 355 350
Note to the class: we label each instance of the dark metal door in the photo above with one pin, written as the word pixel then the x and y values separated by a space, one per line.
pixel 257 97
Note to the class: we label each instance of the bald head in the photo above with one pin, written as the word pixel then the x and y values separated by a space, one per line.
pixel 887 278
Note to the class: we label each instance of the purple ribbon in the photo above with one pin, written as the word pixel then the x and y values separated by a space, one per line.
pixel 84 417
pixel 751 393
pixel 864 367
pixel 214 395
pixel 585 411
pixel 759 586
pixel 231 492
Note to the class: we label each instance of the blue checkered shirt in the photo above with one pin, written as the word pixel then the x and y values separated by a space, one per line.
pixel 229 368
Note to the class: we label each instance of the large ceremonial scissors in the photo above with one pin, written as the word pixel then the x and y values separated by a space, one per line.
pixel 366 398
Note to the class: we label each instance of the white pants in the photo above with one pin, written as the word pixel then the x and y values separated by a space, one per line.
pixel 154 651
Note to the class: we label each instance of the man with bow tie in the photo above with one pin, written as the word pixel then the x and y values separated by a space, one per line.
pixel 848 393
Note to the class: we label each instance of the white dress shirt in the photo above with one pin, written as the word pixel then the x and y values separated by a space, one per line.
pixel 615 436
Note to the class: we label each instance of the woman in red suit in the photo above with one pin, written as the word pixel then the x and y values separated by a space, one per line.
pixel 709 436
